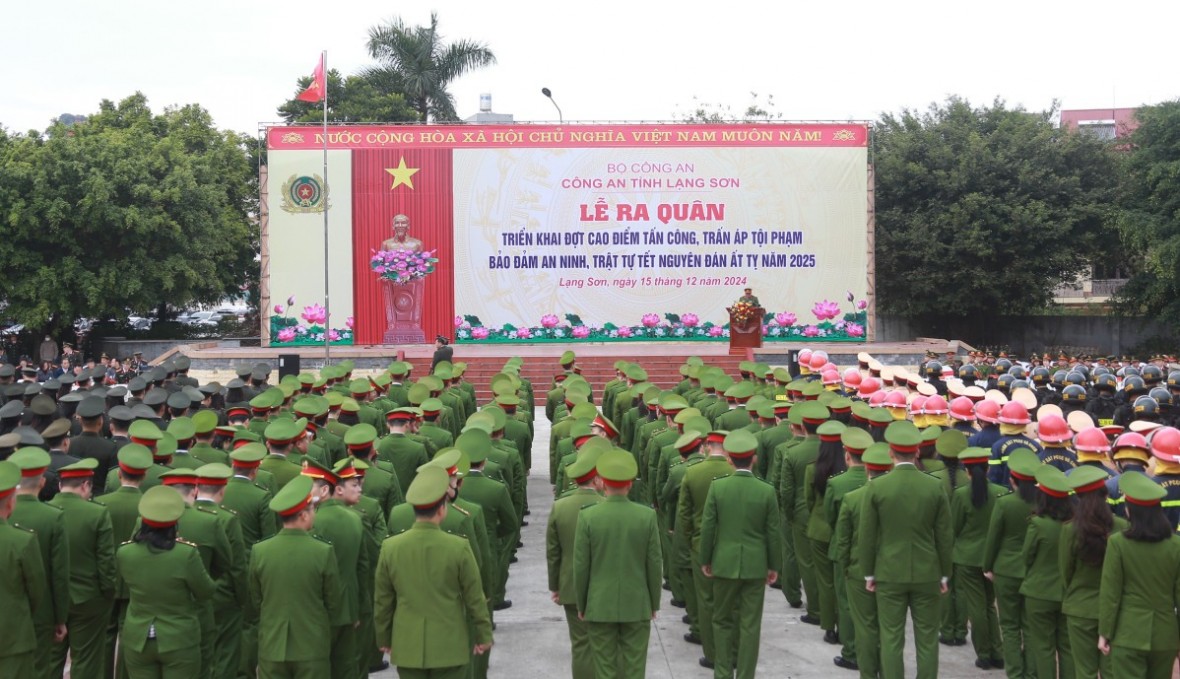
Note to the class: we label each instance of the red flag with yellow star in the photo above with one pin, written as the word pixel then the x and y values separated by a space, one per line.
pixel 419 184
pixel 318 89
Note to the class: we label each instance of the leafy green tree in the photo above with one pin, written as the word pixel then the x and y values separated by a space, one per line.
pixel 416 62
pixel 1150 223
pixel 355 99
pixel 756 111
pixel 986 210
pixel 125 211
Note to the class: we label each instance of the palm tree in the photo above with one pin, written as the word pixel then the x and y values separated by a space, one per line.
pixel 414 61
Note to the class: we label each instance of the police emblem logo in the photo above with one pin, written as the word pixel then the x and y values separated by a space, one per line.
pixel 304 194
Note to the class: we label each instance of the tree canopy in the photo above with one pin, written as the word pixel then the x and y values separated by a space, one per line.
pixel 126 210
pixel 416 62
pixel 1150 221
pixel 355 99
pixel 986 210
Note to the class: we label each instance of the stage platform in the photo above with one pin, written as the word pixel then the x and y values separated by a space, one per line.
pixel 662 360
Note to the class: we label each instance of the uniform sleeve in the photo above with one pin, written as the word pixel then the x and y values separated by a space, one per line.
pixel 991 544
pixel 786 495
pixel 268 521
pixel 842 538
pixel 774 545
pixel 384 599
pixel 33 574
pixel 509 521
pixel 104 554
pixel 363 567
pixel 1031 543
pixel 238 551
pixel 255 581
pixel 709 526
pixel 553 552
pixel 59 571
pixel 333 588
pixel 1066 554
pixel 869 532
pixel 655 565
pixel 582 562
pixel 684 511
pixel 199 583
pixel 944 538
pixel 1110 593
pixel 959 514
pixel 473 597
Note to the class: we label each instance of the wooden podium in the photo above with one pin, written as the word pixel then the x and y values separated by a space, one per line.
pixel 745 334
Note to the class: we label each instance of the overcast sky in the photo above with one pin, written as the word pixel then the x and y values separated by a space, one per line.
pixel 604 60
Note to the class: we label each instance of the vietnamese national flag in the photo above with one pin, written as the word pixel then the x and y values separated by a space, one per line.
pixel 318 89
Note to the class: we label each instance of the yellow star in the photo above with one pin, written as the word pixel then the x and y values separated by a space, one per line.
pixel 401 174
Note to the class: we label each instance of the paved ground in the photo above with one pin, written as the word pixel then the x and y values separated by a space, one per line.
pixel 531 638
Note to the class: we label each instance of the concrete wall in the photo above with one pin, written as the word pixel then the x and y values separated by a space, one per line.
pixel 1026 334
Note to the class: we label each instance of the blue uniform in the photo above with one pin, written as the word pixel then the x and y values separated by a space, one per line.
pixel 1063 459
pixel 997 471
pixel 986 437
pixel 1171 502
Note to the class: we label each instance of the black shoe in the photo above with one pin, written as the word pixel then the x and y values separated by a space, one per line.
pixel 831 637
pixel 685 619
pixel 960 642
pixel 507 603
pixel 845 663
pixel 777 584
pixel 692 638
pixel 677 604
pixel 667 587
pixel 519 544
pixel 381 667
pixel 983 663
pixel 527 512
pixel 795 604
pixel 524 523
pixel 809 619
pixel 705 662
pixel 997 663
pixel 945 641
pixel 513 560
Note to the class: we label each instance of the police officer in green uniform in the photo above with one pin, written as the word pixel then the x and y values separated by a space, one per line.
pixel 22 585
pixel 1083 548
pixel 559 553
pixel 617 572
pixel 862 605
pixel 165 579
pixel 1046 637
pixel 503 525
pixel 906 553
pixel 1140 588
pixel 47 524
pixel 295 584
pixel 422 602
pixel 740 551
pixel 854 442
pixel 92 572
pixel 1003 562
pixel 972 505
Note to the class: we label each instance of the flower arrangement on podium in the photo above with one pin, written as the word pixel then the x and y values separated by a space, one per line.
pixel 743 312
pixel 402 266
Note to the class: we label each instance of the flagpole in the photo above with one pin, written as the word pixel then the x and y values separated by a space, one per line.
pixel 327 307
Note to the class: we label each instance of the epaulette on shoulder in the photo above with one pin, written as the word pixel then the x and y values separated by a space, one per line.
pixel 181 541
pixel 459 509
pixel 207 509
pixel 98 502
pixel 690 463
pixel 322 539
pixel 261 487
pixel 20 527
pixel 232 512
pixel 127 542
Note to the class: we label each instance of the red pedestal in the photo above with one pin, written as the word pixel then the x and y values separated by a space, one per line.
pixel 745 334
pixel 403 312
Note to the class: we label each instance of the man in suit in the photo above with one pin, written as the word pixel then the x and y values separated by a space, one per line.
pixel 559 551
pixel 617 572
pixel 741 552
pixel 427 587
pixel 905 551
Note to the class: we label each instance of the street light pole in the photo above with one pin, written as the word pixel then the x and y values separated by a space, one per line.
pixel 545 91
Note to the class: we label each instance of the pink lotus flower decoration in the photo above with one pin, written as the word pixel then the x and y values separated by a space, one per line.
pixel 825 310
pixel 479 333
pixel 580 332
pixel 854 330
pixel 314 313
pixel 333 335
pixel 716 331
pixel 291 300
pixel 287 334
pixel 785 319
pixel 458 321
pixel 549 321
pixel 278 308
pixel 811 331
pixel 350 322
pixel 650 320
pixel 862 305
pixel 624 331
pixel 690 320
pixel 523 333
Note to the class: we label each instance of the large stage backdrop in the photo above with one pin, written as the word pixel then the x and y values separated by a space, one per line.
pixel 535 233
